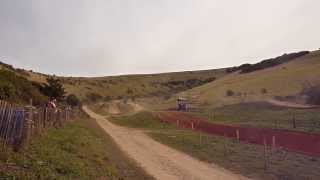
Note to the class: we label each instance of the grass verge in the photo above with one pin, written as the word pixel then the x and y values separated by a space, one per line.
pixel 79 150
pixel 245 159
pixel 144 119
pixel 261 114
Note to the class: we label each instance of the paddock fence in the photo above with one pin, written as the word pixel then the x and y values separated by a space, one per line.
pixel 18 124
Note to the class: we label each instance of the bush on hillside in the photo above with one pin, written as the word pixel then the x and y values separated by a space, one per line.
pixel 129 91
pixel 53 89
pixel 264 91
pixel 94 97
pixel 312 94
pixel 177 86
pixel 107 98
pixel 247 68
pixel 229 93
pixel 73 100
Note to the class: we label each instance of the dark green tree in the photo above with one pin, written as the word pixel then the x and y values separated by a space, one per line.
pixel 53 88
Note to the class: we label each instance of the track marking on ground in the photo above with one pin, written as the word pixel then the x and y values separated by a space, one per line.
pixel 289 104
pixel 160 161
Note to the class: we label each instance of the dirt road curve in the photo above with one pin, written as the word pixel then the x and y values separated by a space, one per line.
pixel 158 160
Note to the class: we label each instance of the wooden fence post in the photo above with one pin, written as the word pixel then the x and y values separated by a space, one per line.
pixel 225 152
pixel 27 126
pixel 238 135
pixel 265 155
pixel 294 122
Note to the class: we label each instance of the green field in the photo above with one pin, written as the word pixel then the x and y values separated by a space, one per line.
pixel 262 114
pixel 245 159
pixel 145 120
pixel 282 80
pixel 80 150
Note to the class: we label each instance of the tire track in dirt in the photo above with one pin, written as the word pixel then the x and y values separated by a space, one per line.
pixel 160 161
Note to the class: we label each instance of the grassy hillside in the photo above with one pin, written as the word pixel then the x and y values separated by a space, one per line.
pixel 139 85
pixel 287 75
pixel 18 89
pixel 126 86
pixel 282 80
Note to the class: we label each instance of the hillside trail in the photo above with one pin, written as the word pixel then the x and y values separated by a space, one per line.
pixel 114 109
pixel 289 104
pixel 160 161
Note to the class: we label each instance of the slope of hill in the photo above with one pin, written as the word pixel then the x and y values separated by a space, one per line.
pixel 126 86
pixel 214 87
pixel 18 89
pixel 134 86
pixel 282 80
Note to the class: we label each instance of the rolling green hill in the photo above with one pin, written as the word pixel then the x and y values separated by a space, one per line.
pixel 283 80
pixel 118 87
pixel 284 76
pixel 126 86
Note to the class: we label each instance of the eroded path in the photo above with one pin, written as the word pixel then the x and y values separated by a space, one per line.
pixel 289 104
pixel 160 161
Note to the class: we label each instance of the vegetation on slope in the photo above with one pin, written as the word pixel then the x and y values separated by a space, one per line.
pixel 247 68
pixel 126 86
pixel 137 86
pixel 245 159
pixel 143 119
pixel 18 89
pixel 80 150
pixel 288 79
pixel 262 114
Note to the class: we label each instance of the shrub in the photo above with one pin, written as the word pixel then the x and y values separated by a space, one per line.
pixel 229 93
pixel 129 91
pixel 94 97
pixel 107 98
pixel 267 63
pixel 264 91
pixel 73 100
pixel 312 94
pixel 53 88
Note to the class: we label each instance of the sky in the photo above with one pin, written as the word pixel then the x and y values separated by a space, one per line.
pixel 112 37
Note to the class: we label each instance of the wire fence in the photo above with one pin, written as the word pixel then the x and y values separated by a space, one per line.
pixel 305 143
pixel 18 125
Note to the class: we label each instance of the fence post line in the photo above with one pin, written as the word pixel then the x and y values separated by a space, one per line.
pixel 19 124
pixel 8 124
pixel 238 135
pixel 225 145
pixel 294 121
pixel 4 120
pixel 265 153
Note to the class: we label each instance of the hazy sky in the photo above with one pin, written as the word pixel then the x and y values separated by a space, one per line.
pixel 107 37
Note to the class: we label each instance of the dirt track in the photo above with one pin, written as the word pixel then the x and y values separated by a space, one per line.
pixel 159 160
pixel 289 104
